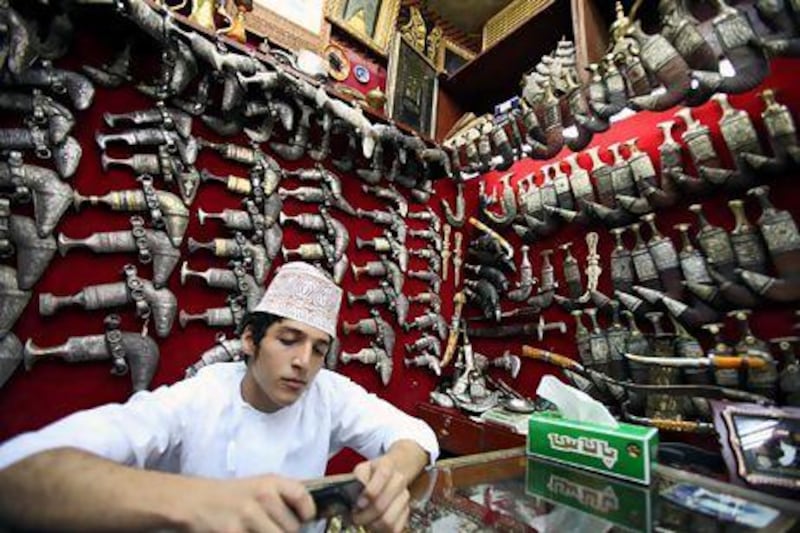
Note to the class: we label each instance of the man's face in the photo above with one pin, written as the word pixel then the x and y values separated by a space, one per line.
pixel 284 363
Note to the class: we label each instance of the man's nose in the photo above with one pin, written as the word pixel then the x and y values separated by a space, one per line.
pixel 303 355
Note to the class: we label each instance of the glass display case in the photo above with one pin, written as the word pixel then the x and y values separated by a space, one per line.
pixel 507 491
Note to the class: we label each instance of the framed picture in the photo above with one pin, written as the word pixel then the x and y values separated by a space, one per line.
pixel 452 57
pixel 294 24
pixel 765 442
pixel 371 22
pixel 412 87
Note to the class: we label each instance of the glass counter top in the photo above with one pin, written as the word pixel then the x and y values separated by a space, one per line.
pixel 507 491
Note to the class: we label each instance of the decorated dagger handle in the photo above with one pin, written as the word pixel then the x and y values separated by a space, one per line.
pixel 549 357
pixel 685 426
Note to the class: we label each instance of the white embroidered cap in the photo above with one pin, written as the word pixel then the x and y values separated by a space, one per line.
pixel 302 292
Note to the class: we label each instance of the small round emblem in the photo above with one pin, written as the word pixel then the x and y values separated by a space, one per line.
pixel 361 73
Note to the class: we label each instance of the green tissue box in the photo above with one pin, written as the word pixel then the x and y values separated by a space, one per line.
pixel 623 504
pixel 625 452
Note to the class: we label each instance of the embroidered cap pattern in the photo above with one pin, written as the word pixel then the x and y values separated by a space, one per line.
pixel 302 292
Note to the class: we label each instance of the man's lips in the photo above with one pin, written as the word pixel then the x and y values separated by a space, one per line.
pixel 293 383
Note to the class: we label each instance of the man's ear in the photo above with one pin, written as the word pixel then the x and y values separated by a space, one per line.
pixel 248 342
pixel 332 355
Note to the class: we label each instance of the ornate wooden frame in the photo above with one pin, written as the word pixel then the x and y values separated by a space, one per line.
pixel 398 78
pixel 294 35
pixel 449 46
pixel 385 20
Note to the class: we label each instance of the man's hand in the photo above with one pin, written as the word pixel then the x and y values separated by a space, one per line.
pixel 264 503
pixel 383 505
pixel 71 490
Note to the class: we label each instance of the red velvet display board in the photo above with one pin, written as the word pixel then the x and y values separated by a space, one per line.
pixel 54 389
pixel 376 71
pixel 768 321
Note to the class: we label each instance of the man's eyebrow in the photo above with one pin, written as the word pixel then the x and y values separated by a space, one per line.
pixel 289 329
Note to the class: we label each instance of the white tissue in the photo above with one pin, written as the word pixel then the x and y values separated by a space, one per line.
pixel 574 404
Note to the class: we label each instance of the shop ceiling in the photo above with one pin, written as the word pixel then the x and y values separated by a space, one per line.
pixel 466 15
pixel 469 16
pixel 494 76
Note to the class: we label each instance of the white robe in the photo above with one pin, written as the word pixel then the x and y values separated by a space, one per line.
pixel 202 427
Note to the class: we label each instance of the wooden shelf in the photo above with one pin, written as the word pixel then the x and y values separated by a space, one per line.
pixel 460 435
pixel 494 75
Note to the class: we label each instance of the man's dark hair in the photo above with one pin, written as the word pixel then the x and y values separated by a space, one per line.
pixel 259 323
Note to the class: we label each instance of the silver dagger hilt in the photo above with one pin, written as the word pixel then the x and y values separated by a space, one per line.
pixel 50 303
pixel 202 216
pixel 34 354
pixel 308 251
pixel 186 273
pixel 353 298
pixel 427 360
pixel 66 244
pixel 195 245
pixel 213 317
pixel 129 162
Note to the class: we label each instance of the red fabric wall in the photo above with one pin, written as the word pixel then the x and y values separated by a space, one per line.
pixel 357 58
pixel 54 389
pixel 768 321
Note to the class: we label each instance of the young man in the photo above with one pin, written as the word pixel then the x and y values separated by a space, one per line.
pixel 241 436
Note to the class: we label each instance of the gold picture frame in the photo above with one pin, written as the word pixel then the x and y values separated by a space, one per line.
pixel 412 87
pixel 293 24
pixel 452 56
pixel 371 22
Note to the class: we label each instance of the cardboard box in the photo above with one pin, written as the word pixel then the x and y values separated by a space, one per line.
pixel 621 503
pixel 625 452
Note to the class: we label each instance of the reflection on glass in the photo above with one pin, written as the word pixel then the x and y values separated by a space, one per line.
pixel 768 445
pixel 518 494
